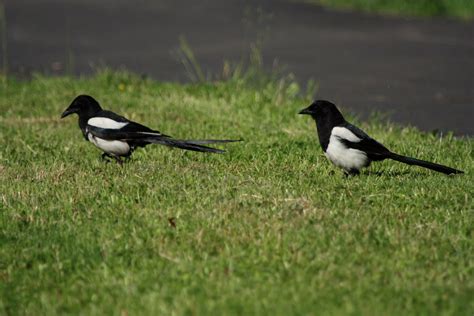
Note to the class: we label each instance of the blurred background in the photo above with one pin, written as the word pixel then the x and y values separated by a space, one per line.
pixel 413 61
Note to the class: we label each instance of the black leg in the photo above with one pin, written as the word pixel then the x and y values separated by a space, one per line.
pixel 128 156
pixel 354 172
pixel 351 172
pixel 105 157
pixel 119 161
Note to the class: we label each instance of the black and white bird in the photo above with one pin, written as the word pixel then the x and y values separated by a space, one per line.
pixel 118 137
pixel 350 148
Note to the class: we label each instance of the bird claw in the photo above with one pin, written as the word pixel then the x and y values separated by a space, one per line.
pixel 351 173
pixel 119 161
pixel 105 157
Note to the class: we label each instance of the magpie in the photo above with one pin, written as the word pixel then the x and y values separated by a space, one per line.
pixel 118 137
pixel 350 148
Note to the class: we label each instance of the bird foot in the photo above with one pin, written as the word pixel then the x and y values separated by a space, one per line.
pixel 351 173
pixel 106 157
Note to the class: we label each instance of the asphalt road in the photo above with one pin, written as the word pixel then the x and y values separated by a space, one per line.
pixel 419 71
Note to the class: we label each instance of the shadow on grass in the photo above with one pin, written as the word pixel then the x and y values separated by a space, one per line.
pixel 388 173
pixel 412 173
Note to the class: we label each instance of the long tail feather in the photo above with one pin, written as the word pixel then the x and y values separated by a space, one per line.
pixel 425 164
pixel 183 145
pixel 211 141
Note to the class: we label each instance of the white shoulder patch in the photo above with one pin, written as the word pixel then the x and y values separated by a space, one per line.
pixel 104 122
pixel 345 133
pixel 150 133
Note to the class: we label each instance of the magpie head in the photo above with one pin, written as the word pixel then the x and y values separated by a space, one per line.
pixel 320 108
pixel 83 105
pixel 324 113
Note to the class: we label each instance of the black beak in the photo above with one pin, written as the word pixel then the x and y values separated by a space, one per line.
pixel 305 111
pixel 66 113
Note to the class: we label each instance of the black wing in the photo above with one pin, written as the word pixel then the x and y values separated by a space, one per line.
pixel 140 139
pixel 374 149
pixel 125 133
pixel 130 127
pixel 139 135
pixel 132 130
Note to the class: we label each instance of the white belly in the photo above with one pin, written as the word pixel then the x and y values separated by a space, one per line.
pixel 346 158
pixel 113 147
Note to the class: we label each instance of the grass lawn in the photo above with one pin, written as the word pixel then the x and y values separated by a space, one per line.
pixel 270 227
pixel 455 8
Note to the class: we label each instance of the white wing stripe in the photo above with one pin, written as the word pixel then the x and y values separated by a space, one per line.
pixel 345 133
pixel 104 122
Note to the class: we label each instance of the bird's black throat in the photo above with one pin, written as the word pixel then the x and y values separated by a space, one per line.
pixel 84 117
pixel 325 124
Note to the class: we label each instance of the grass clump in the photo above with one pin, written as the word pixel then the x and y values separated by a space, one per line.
pixel 454 8
pixel 268 228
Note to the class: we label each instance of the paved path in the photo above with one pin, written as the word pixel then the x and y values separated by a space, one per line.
pixel 419 71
